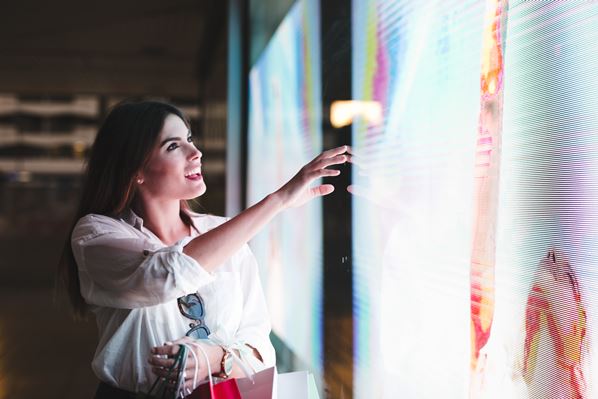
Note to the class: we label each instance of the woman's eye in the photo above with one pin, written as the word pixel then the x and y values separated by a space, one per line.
pixel 190 139
pixel 172 147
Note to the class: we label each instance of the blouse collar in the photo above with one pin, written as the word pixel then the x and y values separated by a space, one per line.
pixel 132 218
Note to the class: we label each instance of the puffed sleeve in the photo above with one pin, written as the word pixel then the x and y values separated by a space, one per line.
pixel 255 324
pixel 118 268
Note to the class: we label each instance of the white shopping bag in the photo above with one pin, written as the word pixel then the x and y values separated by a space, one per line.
pixel 263 386
pixel 297 385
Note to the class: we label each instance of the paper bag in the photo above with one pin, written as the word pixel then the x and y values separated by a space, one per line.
pixel 263 386
pixel 297 385
pixel 226 389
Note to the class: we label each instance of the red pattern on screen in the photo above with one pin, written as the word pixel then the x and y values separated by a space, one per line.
pixel 555 302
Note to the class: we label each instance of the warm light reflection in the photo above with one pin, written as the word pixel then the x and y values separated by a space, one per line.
pixel 79 149
pixel 24 176
pixel 342 113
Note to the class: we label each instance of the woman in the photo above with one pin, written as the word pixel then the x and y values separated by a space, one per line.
pixel 151 270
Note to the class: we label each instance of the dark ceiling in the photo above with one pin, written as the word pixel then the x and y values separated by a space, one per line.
pixel 150 47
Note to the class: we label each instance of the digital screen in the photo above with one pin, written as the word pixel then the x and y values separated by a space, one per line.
pixel 475 213
pixel 284 134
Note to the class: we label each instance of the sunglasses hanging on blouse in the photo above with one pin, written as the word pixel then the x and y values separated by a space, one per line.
pixel 192 307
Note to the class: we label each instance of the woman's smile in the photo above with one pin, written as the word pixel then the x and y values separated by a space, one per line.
pixel 194 174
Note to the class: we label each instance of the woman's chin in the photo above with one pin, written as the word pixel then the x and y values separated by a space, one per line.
pixel 196 193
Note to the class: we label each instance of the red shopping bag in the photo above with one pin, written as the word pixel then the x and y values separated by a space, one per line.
pixel 261 385
pixel 226 389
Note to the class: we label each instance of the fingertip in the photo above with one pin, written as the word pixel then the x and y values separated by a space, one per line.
pixel 323 190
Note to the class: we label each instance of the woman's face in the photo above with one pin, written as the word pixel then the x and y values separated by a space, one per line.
pixel 174 168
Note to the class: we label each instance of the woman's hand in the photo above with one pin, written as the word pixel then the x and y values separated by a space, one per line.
pixel 160 363
pixel 297 191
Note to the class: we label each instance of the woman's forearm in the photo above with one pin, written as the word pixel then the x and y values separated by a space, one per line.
pixel 211 249
pixel 214 247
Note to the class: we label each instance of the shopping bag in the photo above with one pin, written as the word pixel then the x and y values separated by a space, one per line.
pixel 261 385
pixel 297 385
pixel 226 389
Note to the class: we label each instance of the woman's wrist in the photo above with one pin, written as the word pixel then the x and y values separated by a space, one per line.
pixel 215 355
pixel 277 201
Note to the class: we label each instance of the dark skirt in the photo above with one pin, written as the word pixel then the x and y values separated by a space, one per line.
pixel 106 391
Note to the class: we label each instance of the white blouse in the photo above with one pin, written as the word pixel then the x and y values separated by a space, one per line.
pixel 131 281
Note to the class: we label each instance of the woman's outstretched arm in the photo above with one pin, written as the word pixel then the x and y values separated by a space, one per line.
pixel 214 247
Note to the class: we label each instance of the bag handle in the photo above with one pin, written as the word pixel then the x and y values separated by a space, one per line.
pixel 240 359
pixel 179 363
pixel 196 368
pixel 205 355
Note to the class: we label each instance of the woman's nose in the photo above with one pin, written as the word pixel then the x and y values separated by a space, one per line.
pixel 195 154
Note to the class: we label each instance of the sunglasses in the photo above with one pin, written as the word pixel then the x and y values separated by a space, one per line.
pixel 192 307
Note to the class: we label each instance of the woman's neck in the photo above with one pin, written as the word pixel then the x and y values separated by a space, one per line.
pixel 163 218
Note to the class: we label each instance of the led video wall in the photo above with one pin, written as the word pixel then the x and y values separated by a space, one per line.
pixel 284 134
pixel 476 206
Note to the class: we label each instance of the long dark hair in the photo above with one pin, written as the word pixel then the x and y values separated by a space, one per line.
pixel 121 149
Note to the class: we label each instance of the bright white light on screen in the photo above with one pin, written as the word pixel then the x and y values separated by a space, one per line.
pixel 342 113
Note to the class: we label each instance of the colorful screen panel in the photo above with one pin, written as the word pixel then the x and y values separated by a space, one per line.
pixel 476 199
pixel 284 134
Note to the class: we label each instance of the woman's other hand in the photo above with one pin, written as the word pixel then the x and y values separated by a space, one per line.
pixel 297 191
pixel 162 359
